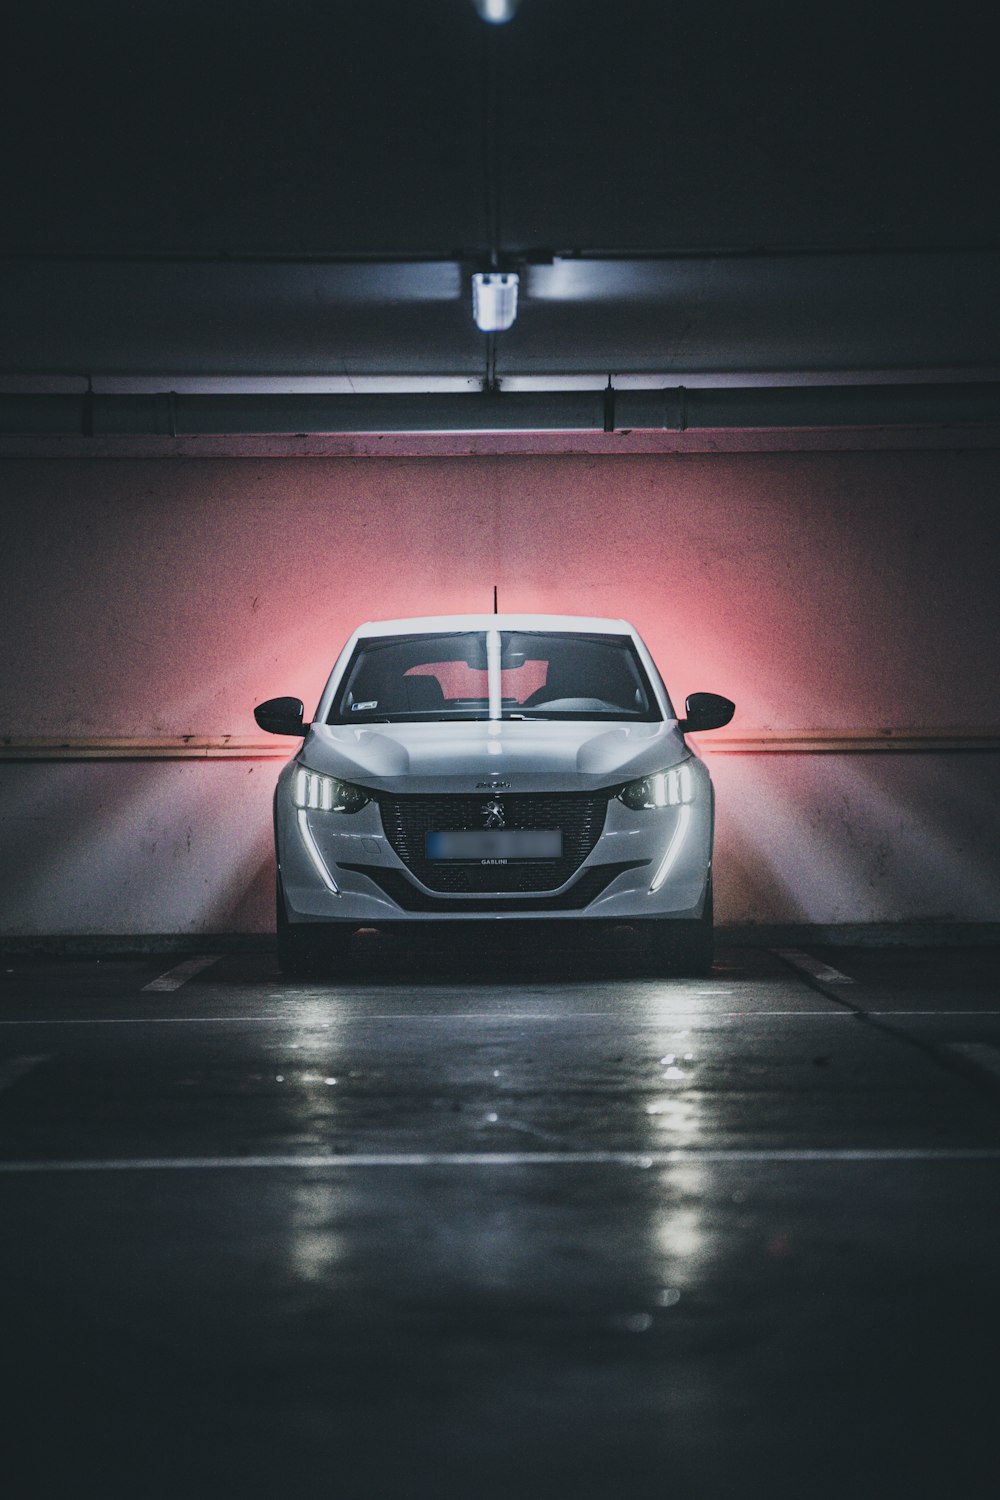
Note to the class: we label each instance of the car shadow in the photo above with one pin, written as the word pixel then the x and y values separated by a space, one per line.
pixel 549 952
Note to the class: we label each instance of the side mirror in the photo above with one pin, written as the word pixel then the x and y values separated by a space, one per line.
pixel 706 711
pixel 281 716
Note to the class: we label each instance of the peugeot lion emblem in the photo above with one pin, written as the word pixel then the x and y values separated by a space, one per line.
pixel 493 814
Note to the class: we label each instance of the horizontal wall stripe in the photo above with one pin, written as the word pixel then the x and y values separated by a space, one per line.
pixel 178 747
pixel 848 741
pixel 751 742
pixel 704 442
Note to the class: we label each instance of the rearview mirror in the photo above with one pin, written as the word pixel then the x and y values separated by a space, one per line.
pixel 706 711
pixel 281 716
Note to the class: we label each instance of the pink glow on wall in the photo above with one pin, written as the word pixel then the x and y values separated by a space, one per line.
pixel 816 590
pixel 824 591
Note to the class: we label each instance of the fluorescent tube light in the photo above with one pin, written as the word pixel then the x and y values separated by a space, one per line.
pixel 496 11
pixel 494 300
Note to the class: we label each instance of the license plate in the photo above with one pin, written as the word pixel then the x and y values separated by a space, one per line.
pixel 496 844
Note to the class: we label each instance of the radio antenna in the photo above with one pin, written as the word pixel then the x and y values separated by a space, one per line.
pixel 495 610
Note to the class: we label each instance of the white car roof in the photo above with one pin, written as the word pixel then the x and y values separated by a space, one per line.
pixel 445 623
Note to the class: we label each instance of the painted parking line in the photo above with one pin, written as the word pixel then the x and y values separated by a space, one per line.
pixel 174 978
pixel 13 1068
pixel 666 1019
pixel 980 1054
pixel 932 1012
pixel 413 1159
pixel 814 967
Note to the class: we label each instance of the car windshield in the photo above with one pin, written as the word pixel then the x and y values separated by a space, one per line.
pixel 494 674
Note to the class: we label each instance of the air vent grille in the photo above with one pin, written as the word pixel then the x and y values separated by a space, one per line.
pixel 579 816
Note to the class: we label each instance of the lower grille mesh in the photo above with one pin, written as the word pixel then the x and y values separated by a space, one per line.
pixel 408 897
pixel 579 816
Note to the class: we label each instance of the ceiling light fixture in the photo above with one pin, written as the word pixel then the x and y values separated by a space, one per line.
pixel 494 300
pixel 496 11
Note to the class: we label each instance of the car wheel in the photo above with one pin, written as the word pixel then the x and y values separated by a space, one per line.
pixel 685 947
pixel 307 948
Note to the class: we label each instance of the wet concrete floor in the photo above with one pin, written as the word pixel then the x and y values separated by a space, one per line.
pixel 494 1224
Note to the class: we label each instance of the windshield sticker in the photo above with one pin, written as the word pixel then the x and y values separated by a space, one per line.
pixel 360 708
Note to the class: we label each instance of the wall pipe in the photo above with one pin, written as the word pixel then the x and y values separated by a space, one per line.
pixel 674 409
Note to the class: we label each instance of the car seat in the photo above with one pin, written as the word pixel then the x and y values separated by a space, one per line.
pixel 424 693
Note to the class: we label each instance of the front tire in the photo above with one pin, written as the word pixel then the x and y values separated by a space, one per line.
pixel 307 948
pixel 684 947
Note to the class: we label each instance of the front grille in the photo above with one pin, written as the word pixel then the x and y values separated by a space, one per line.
pixel 580 894
pixel 580 817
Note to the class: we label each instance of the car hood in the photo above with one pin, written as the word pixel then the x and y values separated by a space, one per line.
pixel 530 755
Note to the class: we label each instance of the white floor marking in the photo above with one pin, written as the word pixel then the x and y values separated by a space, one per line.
pixel 14 1068
pixel 631 1159
pixel 980 1054
pixel 174 978
pixel 933 1013
pixel 667 1018
pixel 813 966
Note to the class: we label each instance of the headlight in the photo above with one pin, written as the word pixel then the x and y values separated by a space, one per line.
pixel 670 788
pixel 326 793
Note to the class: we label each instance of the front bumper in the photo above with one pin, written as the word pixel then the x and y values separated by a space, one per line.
pixel 342 868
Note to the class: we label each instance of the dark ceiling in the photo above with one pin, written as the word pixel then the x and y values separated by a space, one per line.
pixel 269 192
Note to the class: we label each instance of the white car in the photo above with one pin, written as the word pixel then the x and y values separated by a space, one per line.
pixel 499 768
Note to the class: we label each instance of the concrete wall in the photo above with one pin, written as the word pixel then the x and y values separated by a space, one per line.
pixel 833 592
